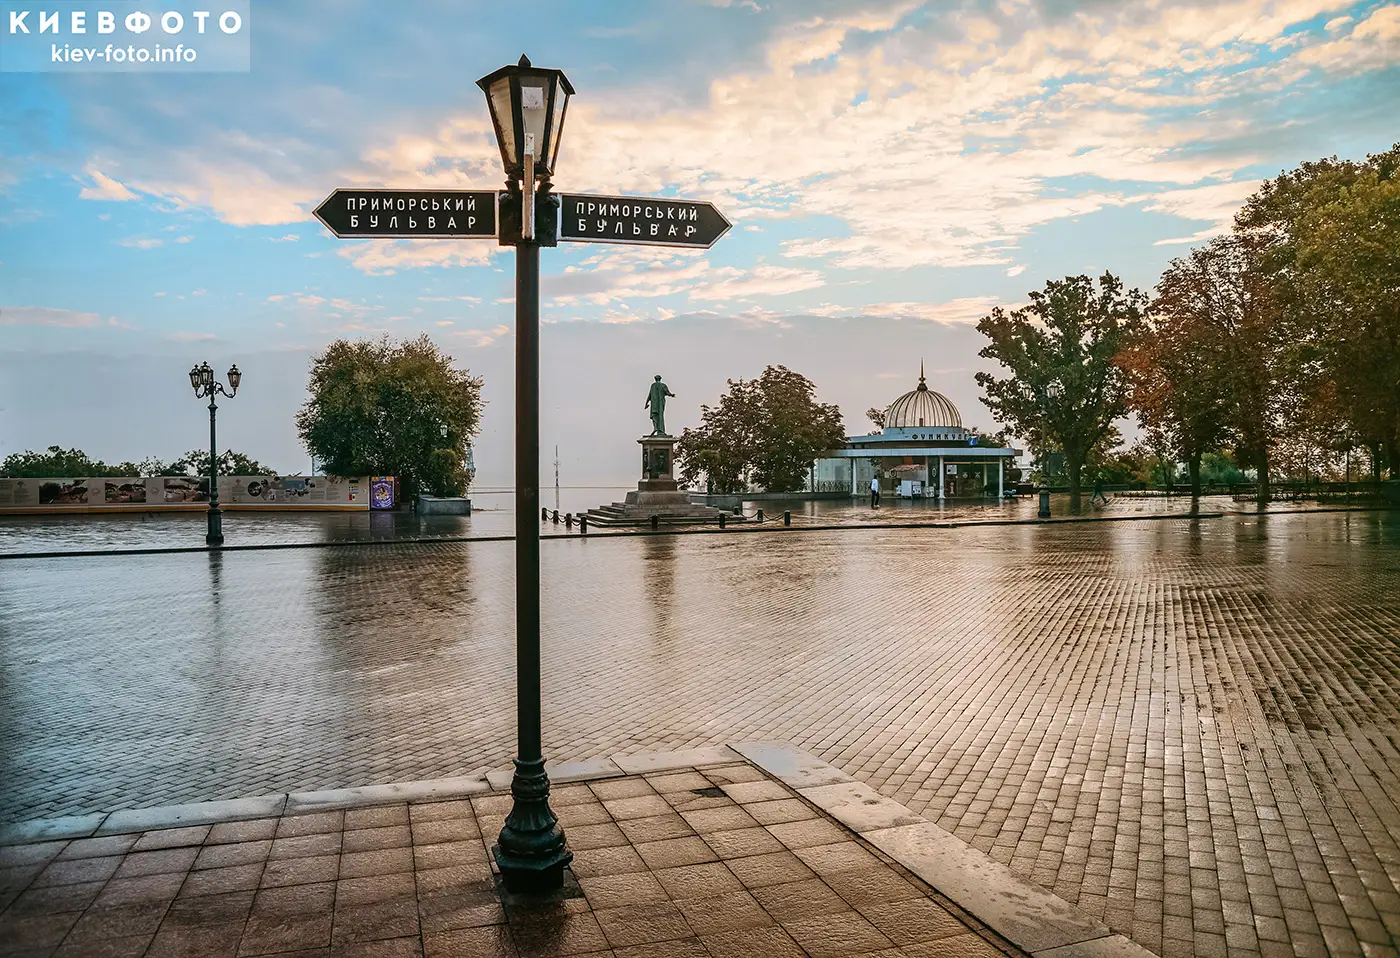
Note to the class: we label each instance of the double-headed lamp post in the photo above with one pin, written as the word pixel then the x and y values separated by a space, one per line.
pixel 204 383
pixel 527 109
pixel 1052 392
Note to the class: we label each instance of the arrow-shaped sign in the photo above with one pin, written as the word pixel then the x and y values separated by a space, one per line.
pixel 640 220
pixel 409 214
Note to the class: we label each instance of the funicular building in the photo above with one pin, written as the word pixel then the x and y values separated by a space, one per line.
pixel 922 451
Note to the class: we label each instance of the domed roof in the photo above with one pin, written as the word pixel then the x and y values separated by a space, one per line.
pixel 922 407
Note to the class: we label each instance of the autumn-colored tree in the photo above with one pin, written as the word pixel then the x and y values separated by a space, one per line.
pixel 766 431
pixel 1179 388
pixel 1071 336
pixel 378 407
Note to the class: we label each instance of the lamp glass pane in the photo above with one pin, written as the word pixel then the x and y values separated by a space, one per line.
pixel 534 109
pixel 504 116
pixel 206 374
pixel 194 376
pixel 561 99
pixel 234 376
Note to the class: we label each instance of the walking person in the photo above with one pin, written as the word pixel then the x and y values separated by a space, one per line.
pixel 874 491
pixel 1098 492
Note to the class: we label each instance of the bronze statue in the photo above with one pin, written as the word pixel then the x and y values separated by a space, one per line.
pixel 656 399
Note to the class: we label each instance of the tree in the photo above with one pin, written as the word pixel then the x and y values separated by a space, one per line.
pixel 1070 335
pixel 196 463
pixel 765 431
pixel 1327 234
pixel 56 462
pixel 377 407
pixel 877 416
pixel 1178 386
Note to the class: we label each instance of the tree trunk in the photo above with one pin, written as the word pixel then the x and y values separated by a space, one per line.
pixel 1261 457
pixel 1074 465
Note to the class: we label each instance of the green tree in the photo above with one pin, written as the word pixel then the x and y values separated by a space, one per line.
pixel 1327 233
pixel 378 407
pixel 1069 336
pixel 766 431
pixel 196 463
pixel 53 462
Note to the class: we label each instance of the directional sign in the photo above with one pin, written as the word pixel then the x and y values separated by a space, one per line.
pixel 640 220
pixel 410 214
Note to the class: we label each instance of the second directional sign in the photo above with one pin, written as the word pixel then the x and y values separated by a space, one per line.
pixel 409 214
pixel 640 220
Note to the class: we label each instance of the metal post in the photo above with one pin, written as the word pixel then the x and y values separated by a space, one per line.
pixel 787 518
pixel 531 851
pixel 215 534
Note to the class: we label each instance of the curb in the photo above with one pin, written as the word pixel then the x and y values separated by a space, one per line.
pixel 1030 917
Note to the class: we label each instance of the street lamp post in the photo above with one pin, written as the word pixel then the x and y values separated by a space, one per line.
pixel 527 106
pixel 204 384
pixel 1052 391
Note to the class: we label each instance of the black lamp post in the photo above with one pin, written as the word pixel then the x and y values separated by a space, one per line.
pixel 527 109
pixel 1052 391
pixel 204 383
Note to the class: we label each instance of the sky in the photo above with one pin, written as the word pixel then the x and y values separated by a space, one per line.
pixel 893 171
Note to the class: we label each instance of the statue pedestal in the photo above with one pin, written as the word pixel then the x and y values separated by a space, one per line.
pixel 658 493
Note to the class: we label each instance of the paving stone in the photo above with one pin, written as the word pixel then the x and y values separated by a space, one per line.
pixel 1214 691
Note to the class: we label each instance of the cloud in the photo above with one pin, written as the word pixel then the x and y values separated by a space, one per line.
pixel 379 257
pixel 104 188
pixel 1373 44
pixel 138 242
pixel 942 139
pixel 1016 270
pixel 476 338
pixel 288 238
pixel 189 336
pixel 46 316
pixel 968 310
pixel 761 280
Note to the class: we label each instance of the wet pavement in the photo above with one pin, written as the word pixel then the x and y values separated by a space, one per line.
pixel 494 515
pixel 1190 729
pixel 710 862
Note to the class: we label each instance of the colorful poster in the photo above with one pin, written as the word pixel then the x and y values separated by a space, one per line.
pixel 182 489
pixel 124 490
pixel 381 492
pixel 63 492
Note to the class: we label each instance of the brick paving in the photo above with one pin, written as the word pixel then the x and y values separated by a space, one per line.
pixel 712 863
pixel 1190 730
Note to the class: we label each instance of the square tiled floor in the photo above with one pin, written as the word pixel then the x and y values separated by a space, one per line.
pixel 715 861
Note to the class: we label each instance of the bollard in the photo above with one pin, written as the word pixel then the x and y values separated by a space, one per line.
pixel 760 515
pixel 721 520
pixel 787 518
pixel 655 522
pixel 544 515
pixel 556 517
pixel 568 520
pixel 583 525
pixel 1044 512
pixel 738 511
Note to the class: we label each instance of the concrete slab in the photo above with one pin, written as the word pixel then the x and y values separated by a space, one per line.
pixel 201 813
pixel 858 806
pixel 429 790
pixel 1114 946
pixel 681 758
pixel 50 829
pixel 1026 914
pixel 790 765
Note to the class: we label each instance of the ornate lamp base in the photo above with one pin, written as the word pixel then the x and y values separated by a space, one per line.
pixel 531 851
